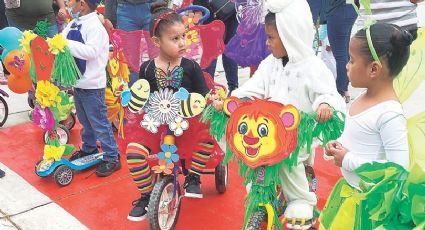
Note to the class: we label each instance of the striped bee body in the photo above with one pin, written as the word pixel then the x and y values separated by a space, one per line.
pixel 192 106
pixel 140 91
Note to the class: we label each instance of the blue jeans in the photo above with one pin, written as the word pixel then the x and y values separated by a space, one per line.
pixel 132 17
pixel 340 23
pixel 91 112
pixel 53 29
pixel 230 66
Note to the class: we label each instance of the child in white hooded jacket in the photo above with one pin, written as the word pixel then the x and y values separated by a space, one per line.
pixel 292 74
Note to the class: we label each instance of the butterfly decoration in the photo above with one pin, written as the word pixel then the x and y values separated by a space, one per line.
pixel 171 78
pixel 17 62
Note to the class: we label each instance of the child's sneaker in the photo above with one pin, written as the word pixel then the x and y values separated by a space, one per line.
pixel 140 207
pixel 106 168
pixel 80 153
pixel 192 186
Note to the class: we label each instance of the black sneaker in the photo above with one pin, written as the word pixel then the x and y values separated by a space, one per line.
pixel 140 209
pixel 106 168
pixel 80 153
pixel 2 173
pixel 192 186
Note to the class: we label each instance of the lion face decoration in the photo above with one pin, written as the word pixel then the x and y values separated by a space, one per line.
pixel 261 132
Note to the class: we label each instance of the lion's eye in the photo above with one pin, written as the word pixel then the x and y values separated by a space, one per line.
pixel 263 130
pixel 243 128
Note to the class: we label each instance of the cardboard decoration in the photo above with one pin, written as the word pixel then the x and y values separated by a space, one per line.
pixel 259 132
pixel 43 59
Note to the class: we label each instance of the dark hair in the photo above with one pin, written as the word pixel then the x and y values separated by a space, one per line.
pixel 162 17
pixel 91 6
pixel 391 44
pixel 270 19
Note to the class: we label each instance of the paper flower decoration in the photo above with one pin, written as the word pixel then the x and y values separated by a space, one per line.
pixel 53 152
pixel 27 37
pixel 163 168
pixel 163 106
pixel 57 44
pixel 192 37
pixel 178 126
pixel 47 94
pixel 44 118
pixel 150 124
pixel 168 154
pixel 192 19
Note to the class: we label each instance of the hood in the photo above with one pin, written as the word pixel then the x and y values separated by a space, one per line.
pixel 295 27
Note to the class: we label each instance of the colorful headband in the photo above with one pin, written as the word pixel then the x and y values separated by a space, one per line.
pixel 367 26
pixel 159 18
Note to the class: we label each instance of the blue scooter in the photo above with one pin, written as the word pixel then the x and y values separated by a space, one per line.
pixel 62 170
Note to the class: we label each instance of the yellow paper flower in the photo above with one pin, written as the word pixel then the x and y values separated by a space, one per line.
pixel 53 152
pixel 191 37
pixel 57 44
pixel 27 37
pixel 47 94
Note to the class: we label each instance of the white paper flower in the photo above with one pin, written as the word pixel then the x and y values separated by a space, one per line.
pixel 178 126
pixel 149 124
pixel 163 106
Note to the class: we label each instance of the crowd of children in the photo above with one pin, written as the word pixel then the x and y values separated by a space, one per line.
pixel 375 127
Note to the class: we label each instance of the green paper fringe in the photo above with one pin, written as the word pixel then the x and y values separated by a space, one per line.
pixel 42 28
pixel 261 192
pixel 393 196
pixel 32 69
pixel 309 129
pixel 218 121
pixel 65 71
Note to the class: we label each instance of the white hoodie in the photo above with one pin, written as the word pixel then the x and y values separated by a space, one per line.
pixel 305 81
pixel 95 50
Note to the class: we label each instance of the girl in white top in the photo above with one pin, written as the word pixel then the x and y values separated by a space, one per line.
pixel 375 127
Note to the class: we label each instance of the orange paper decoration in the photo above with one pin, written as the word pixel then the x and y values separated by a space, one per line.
pixel 18 62
pixel 19 84
pixel 43 59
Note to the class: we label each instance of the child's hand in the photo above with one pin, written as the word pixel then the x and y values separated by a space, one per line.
pixel 324 112
pixel 335 149
pixel 218 105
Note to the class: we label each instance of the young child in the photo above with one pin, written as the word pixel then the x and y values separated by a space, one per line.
pixel 168 33
pixel 89 44
pixel 292 74
pixel 375 127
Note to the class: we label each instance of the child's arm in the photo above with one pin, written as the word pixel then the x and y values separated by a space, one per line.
pixel 394 138
pixel 255 86
pixel 322 88
pixel 92 47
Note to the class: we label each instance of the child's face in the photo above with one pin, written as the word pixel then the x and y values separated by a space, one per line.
pixel 357 67
pixel 74 5
pixel 274 43
pixel 172 42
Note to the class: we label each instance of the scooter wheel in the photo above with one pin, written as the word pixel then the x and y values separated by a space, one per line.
pixel 63 175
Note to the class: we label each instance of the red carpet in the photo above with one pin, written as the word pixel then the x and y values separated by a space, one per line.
pixel 103 203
